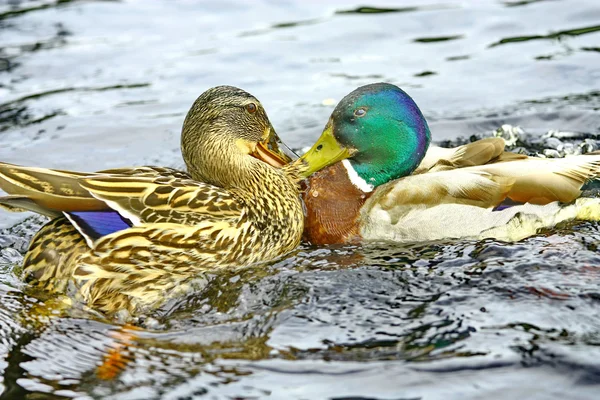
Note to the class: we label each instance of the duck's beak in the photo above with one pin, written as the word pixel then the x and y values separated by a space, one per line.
pixel 273 151
pixel 326 151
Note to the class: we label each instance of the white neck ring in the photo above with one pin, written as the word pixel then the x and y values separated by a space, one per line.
pixel 356 180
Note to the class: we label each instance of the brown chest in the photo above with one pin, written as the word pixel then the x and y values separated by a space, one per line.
pixel 333 206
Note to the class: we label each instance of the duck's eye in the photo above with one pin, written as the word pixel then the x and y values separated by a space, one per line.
pixel 360 112
pixel 251 108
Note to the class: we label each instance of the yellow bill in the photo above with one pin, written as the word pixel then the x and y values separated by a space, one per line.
pixel 325 152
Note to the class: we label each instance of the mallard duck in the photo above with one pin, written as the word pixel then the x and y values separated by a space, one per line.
pixel 380 181
pixel 132 238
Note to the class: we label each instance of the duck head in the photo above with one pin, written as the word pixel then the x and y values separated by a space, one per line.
pixel 222 130
pixel 379 129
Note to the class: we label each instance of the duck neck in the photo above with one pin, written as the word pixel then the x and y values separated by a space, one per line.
pixel 228 170
pixel 260 180
pixel 273 201
pixel 271 190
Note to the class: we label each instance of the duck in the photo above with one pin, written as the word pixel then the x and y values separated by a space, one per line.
pixel 375 177
pixel 127 241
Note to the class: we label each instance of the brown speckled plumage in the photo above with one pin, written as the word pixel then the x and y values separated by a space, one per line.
pixel 50 260
pixel 231 210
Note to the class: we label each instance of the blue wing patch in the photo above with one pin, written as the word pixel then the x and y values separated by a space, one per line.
pixel 95 224
pixel 507 203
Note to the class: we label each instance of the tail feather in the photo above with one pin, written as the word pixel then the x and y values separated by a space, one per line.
pixel 52 191
pixel 23 204
pixel 542 181
pixel 472 154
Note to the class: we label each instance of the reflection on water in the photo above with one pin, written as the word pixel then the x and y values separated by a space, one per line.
pixel 555 35
pixel 438 39
pixel 98 84
pixel 14 113
pixel 438 307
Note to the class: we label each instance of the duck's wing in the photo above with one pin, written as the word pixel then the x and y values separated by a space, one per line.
pixel 533 180
pixel 461 186
pixel 51 191
pixel 163 199
pixel 455 203
pixel 147 171
pixel 544 180
pixel 177 216
pixel 165 264
pixel 101 203
pixel 45 191
pixel 480 152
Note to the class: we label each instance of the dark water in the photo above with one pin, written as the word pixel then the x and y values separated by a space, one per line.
pixel 87 85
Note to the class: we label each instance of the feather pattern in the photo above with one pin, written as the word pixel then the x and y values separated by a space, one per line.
pixel 52 254
pixel 129 239
pixel 162 199
pixel 445 199
pixel 476 153
pixel 181 228
pixel 420 193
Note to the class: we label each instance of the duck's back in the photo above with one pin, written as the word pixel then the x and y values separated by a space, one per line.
pixel 463 203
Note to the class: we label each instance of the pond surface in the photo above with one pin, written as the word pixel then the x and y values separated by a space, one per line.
pixel 88 85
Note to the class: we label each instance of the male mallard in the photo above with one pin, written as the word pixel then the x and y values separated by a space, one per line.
pixel 131 238
pixel 381 138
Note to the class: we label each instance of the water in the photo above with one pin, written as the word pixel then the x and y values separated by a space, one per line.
pixel 87 85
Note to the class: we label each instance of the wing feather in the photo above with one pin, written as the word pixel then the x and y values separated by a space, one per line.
pixel 544 180
pixel 52 191
pixel 472 154
pixel 166 199
pixel 166 260
pixel 533 180
pixel 462 186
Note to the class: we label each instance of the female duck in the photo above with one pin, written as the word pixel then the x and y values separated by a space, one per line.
pixel 389 187
pixel 134 237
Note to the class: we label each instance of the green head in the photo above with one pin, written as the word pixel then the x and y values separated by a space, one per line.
pixel 379 129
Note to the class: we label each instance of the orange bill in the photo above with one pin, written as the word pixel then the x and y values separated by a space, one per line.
pixel 264 153
pixel 273 151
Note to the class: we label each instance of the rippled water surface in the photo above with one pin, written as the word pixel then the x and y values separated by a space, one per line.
pixel 88 85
